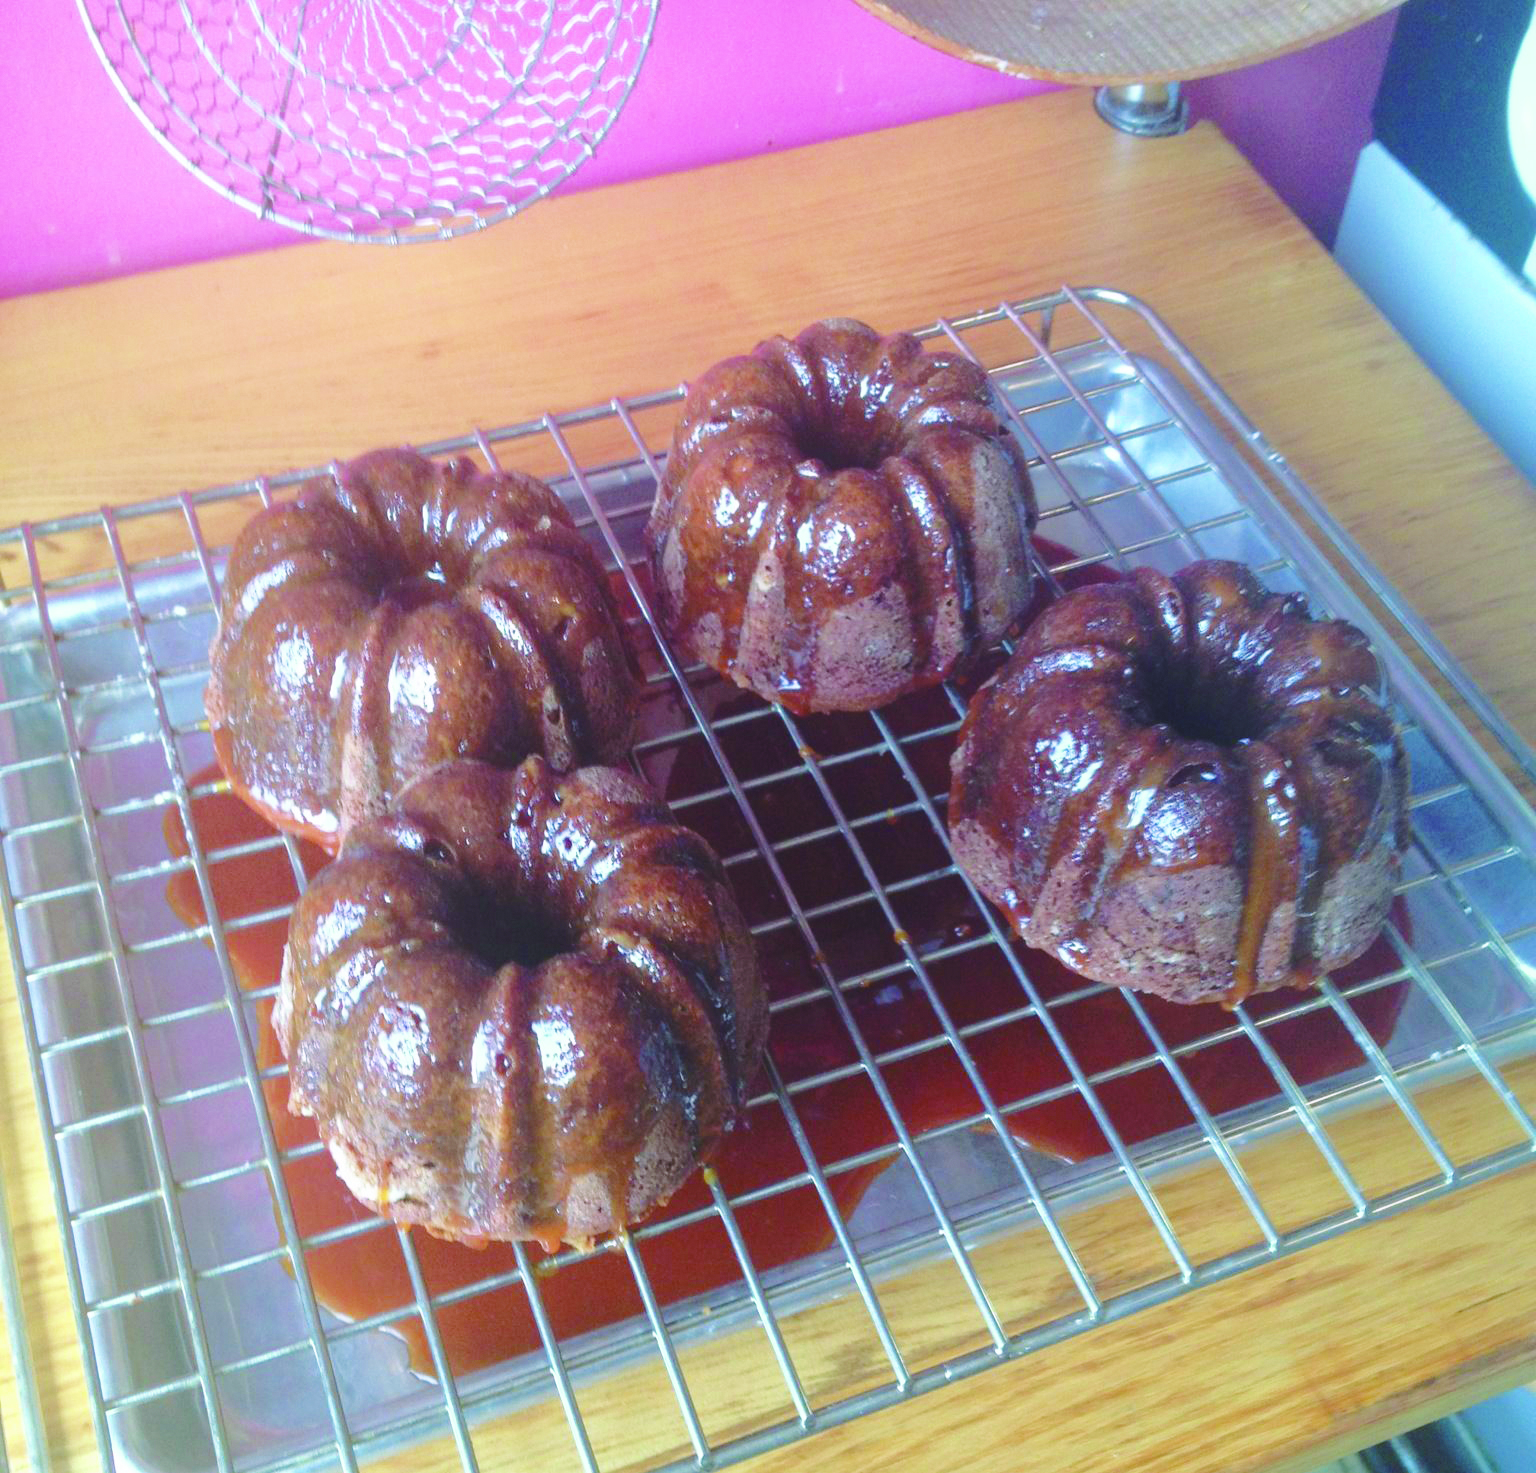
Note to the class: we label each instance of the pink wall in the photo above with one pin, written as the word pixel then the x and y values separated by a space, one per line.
pixel 1303 119
pixel 86 193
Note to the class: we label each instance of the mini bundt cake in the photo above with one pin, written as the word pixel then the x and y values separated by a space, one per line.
pixel 399 613
pixel 520 1006
pixel 843 518
pixel 1185 785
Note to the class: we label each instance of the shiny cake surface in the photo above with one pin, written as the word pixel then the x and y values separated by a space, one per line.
pixel 520 1005
pixel 402 612
pixel 1185 785
pixel 844 518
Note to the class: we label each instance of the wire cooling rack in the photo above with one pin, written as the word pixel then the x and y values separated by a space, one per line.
pixel 384 121
pixel 971 1240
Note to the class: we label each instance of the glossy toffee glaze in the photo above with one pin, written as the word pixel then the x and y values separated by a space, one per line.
pixel 400 613
pixel 1185 785
pixel 1274 866
pixel 844 518
pixel 364 1275
pixel 520 1005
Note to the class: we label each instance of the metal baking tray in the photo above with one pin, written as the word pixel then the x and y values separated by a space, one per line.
pixel 203 1341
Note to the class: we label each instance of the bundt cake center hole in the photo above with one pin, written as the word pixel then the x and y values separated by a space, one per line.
pixel 416 590
pixel 844 446
pixel 505 932
pixel 1215 711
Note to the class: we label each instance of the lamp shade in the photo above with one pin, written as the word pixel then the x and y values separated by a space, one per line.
pixel 1110 41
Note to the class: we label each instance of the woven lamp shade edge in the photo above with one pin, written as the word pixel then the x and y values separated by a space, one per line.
pixel 983 36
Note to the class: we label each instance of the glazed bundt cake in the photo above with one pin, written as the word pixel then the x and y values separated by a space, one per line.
pixel 399 613
pixel 520 1006
pixel 1185 785
pixel 843 518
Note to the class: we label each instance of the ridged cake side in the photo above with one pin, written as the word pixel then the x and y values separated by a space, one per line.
pixel 400 613
pixel 843 518
pixel 520 1006
pixel 1185 785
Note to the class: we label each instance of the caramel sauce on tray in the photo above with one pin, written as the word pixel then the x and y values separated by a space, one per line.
pixel 365 1275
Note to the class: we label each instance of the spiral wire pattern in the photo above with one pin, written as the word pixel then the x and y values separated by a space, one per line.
pixel 376 120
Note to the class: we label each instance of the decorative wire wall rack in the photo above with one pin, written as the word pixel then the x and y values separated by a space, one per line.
pixel 384 121
pixel 957 1154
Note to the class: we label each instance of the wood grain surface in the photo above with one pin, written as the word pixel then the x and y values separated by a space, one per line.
pixel 215 373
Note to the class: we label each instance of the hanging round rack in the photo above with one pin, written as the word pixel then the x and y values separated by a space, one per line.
pixel 376 120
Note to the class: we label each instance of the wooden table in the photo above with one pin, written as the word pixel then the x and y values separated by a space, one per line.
pixel 213 373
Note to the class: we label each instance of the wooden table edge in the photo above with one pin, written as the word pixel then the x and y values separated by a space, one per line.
pixel 1223 181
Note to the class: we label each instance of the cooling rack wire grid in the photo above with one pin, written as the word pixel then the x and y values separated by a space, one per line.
pixel 204 1338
